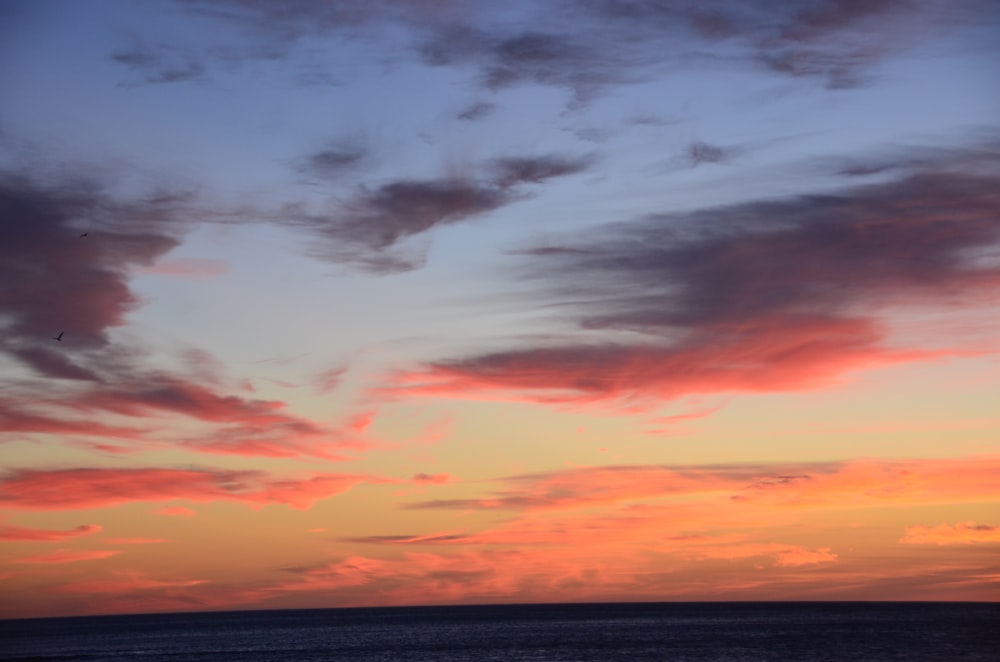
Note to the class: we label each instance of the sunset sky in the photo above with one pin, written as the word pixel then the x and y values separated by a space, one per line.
pixel 406 302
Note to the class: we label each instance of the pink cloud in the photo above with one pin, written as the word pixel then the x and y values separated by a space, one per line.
pixel 963 533
pixel 99 488
pixel 10 532
pixel 17 417
pixel 763 296
pixel 68 556
pixel 124 582
pixel 776 354
pixel 237 425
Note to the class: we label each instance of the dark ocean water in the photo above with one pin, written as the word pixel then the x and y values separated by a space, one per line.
pixel 512 633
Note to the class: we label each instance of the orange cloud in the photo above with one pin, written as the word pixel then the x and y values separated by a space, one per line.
pixel 963 533
pixel 729 547
pixel 786 485
pixel 98 488
pixel 10 532
pixel 136 541
pixel 68 556
pixel 124 582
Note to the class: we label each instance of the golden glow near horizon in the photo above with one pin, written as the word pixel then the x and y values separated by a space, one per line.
pixel 357 313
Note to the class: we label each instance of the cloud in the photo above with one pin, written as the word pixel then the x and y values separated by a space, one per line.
pixel 476 111
pixel 773 295
pixel 11 532
pixel 336 159
pixel 586 47
pixel 158 66
pixel 136 541
pixel 963 533
pixel 15 417
pixel 782 485
pixel 83 289
pixel 329 380
pixel 238 426
pixel 431 478
pixel 700 152
pixel 784 556
pixel 76 489
pixel 56 280
pixel 836 41
pixel 62 556
pixel 513 171
pixel 124 582
pixel 363 230
pixel 796 556
pixel 569 59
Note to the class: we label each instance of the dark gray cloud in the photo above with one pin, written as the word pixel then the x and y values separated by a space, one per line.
pixel 700 152
pixel 54 280
pixel 569 60
pixel 476 111
pixel 535 170
pixel 758 296
pixel 837 41
pixel 152 67
pixel 365 229
pixel 589 46
pixel 336 159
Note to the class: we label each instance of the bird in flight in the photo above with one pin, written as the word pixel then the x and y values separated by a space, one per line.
pixel 84 235
pixel 59 337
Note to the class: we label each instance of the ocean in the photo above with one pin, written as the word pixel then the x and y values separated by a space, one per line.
pixel 514 633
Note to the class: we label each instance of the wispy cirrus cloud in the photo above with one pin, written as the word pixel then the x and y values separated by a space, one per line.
pixel 587 47
pixel 335 159
pixel 836 41
pixel 126 583
pixel 152 66
pixel 963 533
pixel 11 532
pixel 235 425
pixel 15 417
pixel 62 556
pixel 786 485
pixel 365 229
pixel 431 478
pixel 759 296
pixel 84 488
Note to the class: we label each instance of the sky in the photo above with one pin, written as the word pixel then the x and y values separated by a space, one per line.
pixel 340 304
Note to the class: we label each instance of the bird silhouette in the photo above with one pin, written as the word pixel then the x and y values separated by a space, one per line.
pixel 59 337
pixel 84 235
